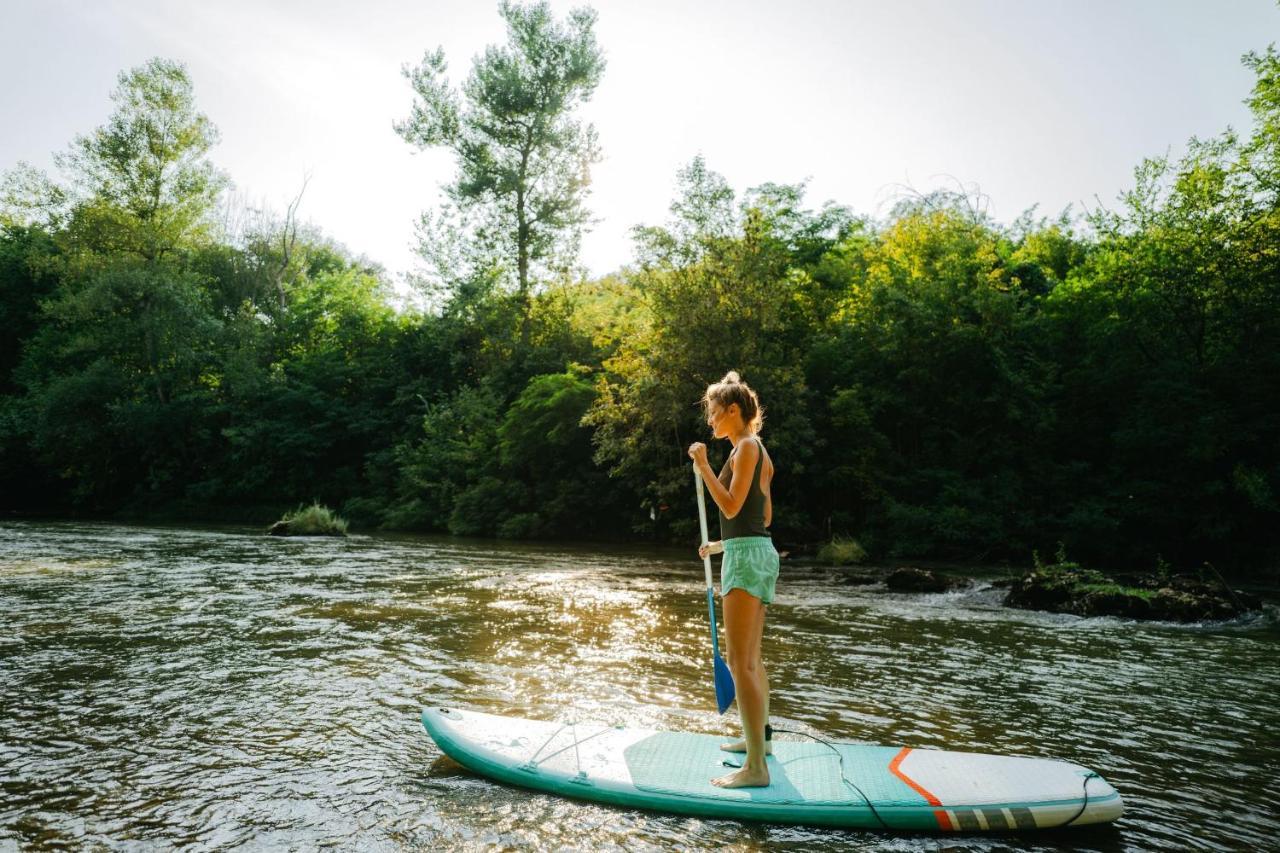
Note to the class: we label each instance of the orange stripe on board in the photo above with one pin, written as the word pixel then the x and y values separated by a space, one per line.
pixel 940 815
pixel 893 768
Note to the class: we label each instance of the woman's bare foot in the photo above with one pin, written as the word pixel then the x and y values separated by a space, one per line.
pixel 744 778
pixel 741 746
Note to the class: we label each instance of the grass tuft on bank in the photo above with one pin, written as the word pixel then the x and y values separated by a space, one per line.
pixel 314 520
pixel 842 551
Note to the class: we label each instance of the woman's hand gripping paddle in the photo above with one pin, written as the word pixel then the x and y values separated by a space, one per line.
pixel 723 678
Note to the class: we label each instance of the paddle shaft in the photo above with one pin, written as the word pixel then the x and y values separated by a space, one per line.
pixel 706 562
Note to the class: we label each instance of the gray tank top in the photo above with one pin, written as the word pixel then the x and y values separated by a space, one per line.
pixel 750 519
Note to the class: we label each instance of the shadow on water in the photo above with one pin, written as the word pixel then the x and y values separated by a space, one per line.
pixel 216 688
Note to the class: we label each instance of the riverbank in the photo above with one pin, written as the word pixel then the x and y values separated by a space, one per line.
pixel 1135 595
pixel 1067 588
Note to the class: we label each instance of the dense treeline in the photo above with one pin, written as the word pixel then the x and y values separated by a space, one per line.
pixel 936 384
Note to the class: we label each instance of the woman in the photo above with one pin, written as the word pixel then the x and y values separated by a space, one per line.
pixel 749 568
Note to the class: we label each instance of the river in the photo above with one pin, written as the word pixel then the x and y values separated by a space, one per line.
pixel 218 688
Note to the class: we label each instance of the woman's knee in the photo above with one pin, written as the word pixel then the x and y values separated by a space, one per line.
pixel 744 663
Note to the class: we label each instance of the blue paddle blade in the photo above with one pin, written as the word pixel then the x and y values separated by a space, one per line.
pixel 724 685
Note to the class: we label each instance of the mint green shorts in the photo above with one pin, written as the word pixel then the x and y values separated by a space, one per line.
pixel 750 563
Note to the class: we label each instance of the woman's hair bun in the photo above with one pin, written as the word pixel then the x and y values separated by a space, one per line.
pixel 731 389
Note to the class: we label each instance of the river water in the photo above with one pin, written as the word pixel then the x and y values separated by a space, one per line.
pixel 218 688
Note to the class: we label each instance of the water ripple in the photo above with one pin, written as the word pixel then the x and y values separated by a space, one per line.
pixel 217 689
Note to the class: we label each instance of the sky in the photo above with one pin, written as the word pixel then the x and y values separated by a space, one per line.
pixel 1048 102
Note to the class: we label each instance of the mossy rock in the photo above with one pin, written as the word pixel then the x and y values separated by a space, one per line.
pixel 1161 599
pixel 1113 601
pixel 907 579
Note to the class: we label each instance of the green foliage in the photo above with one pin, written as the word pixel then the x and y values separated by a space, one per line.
pixel 542 442
pixel 23 284
pixel 1077 582
pixel 141 184
pixel 929 371
pixel 543 424
pixel 1115 589
pixel 1067 571
pixel 944 385
pixel 516 205
pixel 1171 330
pixel 451 454
pixel 841 551
pixel 735 304
pixel 527 475
pixel 481 508
pixel 314 520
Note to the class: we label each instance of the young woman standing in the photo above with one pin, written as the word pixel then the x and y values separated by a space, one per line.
pixel 749 568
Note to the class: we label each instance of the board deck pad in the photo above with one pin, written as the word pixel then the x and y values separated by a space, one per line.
pixel 676 763
pixel 896 787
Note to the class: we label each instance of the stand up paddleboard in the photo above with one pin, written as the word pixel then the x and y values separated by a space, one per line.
pixel 837 784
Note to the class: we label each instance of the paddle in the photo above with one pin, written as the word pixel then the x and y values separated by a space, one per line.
pixel 723 678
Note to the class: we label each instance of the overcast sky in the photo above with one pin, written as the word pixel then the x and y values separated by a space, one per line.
pixel 1031 101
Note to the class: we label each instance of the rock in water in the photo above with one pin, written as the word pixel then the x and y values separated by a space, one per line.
pixel 1178 599
pixel 907 579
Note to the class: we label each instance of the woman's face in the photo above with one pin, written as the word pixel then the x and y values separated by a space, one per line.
pixel 718 419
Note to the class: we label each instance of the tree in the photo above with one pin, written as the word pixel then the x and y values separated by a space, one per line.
pixel 1175 378
pixel 523 161
pixel 141 184
pixel 113 376
pixel 722 289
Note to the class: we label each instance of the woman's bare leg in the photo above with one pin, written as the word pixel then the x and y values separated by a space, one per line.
pixel 743 624
pixel 741 745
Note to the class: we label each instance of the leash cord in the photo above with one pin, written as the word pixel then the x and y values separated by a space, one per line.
pixel 840 757
pixel 1085 804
